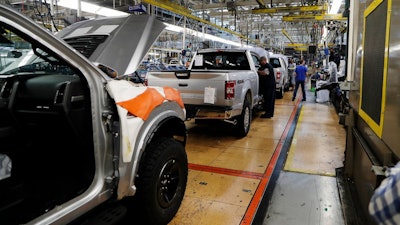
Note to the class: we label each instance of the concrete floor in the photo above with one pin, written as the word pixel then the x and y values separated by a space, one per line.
pixel 228 176
pixel 304 199
pixel 306 192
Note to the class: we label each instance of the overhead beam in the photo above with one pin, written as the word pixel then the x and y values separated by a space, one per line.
pixel 287 36
pixel 261 3
pixel 296 45
pixel 168 5
pixel 223 5
pixel 175 8
pixel 301 49
pixel 319 17
pixel 312 8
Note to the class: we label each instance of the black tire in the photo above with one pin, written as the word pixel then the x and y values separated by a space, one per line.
pixel 279 94
pixel 287 86
pixel 242 126
pixel 162 181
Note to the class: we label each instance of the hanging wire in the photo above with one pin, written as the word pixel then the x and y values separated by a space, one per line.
pixel 43 10
pixel 37 11
pixel 50 15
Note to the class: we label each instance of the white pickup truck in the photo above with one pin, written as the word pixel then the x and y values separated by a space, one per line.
pixel 219 84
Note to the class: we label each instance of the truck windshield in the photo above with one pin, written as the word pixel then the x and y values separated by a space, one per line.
pixel 275 62
pixel 221 61
pixel 19 55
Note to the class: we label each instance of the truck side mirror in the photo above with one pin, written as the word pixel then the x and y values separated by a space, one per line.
pixel 108 70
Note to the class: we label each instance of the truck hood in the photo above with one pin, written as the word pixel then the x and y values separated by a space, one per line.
pixel 117 42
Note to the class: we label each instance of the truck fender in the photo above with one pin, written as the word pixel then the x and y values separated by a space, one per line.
pixel 245 90
pixel 142 112
pixel 134 105
pixel 166 120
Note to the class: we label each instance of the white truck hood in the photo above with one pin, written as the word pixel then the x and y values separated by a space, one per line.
pixel 117 42
pixel 121 43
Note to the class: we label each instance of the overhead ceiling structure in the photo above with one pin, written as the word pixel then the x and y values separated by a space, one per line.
pixel 275 24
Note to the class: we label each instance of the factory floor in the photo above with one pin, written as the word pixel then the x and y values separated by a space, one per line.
pixel 282 172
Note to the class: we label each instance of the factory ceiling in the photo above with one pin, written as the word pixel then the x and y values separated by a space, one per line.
pixel 269 23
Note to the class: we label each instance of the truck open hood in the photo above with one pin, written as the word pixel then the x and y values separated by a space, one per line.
pixel 117 42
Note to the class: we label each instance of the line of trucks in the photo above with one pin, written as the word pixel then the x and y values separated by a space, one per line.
pixel 223 84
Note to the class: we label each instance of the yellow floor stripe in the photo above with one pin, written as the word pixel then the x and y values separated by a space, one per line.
pixel 301 158
pixel 289 160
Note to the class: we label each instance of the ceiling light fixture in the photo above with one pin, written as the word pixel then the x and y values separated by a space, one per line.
pixel 103 11
pixel 91 8
pixel 179 29
pixel 335 6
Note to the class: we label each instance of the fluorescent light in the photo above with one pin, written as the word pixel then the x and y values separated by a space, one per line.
pixel 95 9
pixel 173 28
pixel 178 29
pixel 221 40
pixel 335 6
pixel 91 8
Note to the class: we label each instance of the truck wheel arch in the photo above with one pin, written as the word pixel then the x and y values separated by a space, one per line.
pixel 165 148
pixel 161 181
pixel 244 120
pixel 164 121
pixel 171 127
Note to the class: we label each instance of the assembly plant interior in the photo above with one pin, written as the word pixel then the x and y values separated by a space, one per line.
pixel 144 83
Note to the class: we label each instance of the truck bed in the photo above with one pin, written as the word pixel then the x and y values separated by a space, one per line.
pixel 203 89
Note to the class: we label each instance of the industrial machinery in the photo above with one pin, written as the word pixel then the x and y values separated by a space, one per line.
pixel 373 123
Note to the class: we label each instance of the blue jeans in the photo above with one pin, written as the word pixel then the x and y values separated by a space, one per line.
pixel 298 82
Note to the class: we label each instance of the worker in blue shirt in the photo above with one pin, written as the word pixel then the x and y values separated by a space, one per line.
pixel 300 74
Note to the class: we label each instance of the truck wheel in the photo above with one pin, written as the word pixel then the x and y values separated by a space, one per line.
pixel 243 124
pixel 279 94
pixel 287 86
pixel 161 182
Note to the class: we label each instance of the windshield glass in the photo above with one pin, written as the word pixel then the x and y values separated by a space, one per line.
pixel 18 55
pixel 275 63
pixel 221 61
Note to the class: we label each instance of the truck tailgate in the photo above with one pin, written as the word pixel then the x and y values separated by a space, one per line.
pixel 192 85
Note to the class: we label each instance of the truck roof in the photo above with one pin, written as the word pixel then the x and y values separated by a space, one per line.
pixel 222 50
pixel 255 50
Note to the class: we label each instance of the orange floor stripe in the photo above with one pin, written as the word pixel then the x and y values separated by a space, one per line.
pixel 263 177
pixel 237 173
pixel 241 173
pixel 258 195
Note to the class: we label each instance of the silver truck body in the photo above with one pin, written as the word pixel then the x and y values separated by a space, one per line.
pixel 192 91
pixel 203 87
pixel 280 64
pixel 70 146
